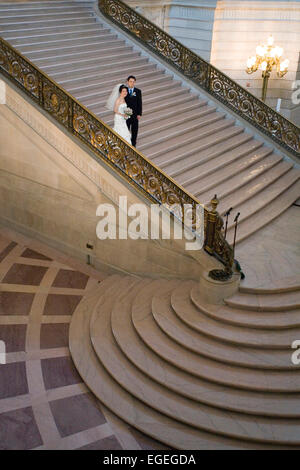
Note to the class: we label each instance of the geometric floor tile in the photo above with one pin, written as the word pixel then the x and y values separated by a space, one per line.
pixel 59 372
pixel 18 430
pixel 14 337
pixel 15 303
pixel 76 413
pixel 61 304
pixel 25 274
pixel 54 335
pixel 110 443
pixel 70 279
pixel 13 379
pixel 28 253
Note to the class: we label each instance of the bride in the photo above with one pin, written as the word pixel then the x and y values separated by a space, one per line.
pixel 116 102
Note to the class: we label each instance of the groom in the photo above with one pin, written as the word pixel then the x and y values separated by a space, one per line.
pixel 133 101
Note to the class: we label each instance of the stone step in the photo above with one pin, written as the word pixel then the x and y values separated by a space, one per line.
pixel 260 183
pixel 94 91
pixel 94 55
pixel 183 130
pixel 178 109
pixel 86 62
pixel 95 46
pixel 201 184
pixel 286 284
pixel 192 387
pixel 214 122
pixel 265 302
pixel 34 17
pixel 174 405
pixel 133 411
pixel 186 306
pixel 52 32
pixel 6 11
pixel 266 320
pixel 258 211
pixel 145 72
pixel 205 368
pixel 167 115
pixel 244 174
pixel 223 154
pixel 223 158
pixel 45 6
pixel 55 40
pixel 78 71
pixel 241 156
pixel 165 104
pixel 163 97
pixel 148 91
pixel 206 346
pixel 220 131
pixel 199 343
pixel 160 125
pixel 35 25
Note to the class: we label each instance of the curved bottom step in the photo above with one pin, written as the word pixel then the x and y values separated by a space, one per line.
pixel 128 408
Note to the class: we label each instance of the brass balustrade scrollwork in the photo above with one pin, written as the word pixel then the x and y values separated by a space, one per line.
pixel 238 99
pixel 128 162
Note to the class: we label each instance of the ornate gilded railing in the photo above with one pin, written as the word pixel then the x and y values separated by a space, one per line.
pixel 203 74
pixel 108 146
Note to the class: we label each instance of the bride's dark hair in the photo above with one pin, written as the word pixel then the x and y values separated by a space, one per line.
pixel 122 88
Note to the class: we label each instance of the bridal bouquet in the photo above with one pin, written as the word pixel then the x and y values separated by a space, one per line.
pixel 128 113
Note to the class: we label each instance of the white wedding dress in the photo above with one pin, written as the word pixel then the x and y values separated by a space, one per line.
pixel 120 125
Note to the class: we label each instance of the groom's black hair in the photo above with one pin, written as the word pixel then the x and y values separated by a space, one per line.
pixel 131 76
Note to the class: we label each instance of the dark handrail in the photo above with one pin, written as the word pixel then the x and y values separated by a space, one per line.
pixel 138 171
pixel 218 84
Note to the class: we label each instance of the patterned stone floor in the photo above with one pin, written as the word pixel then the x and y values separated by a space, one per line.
pixel 43 402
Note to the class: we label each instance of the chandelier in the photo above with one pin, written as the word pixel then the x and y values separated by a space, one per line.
pixel 267 57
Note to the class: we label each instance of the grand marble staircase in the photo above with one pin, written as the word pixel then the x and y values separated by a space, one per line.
pixel 191 374
pixel 201 147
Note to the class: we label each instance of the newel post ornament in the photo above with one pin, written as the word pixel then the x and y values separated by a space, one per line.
pixel 216 243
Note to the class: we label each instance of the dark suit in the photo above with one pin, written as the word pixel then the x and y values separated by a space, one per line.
pixel 134 102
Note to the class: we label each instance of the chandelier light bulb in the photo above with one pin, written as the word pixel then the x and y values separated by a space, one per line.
pixel 264 65
pixel 284 65
pixel 279 51
pixel 270 40
pixel 260 50
pixel 251 61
